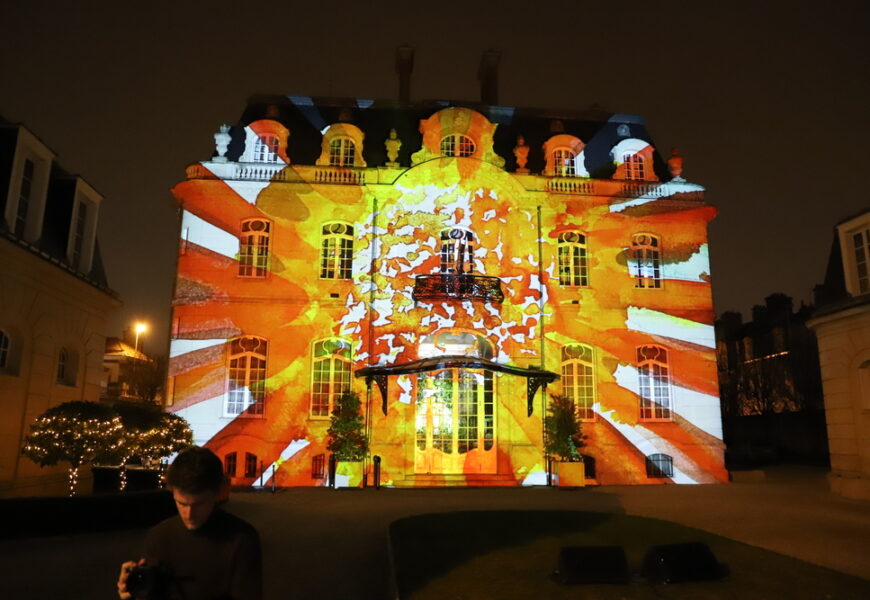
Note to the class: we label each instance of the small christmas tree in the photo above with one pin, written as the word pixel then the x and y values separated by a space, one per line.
pixel 347 439
pixel 74 432
pixel 563 430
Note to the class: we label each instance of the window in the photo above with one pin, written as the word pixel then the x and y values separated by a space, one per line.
pixel 24 197
pixel 635 166
pixel 578 381
pixel 4 350
pixel 659 466
pixel 341 152
pixel 457 250
pixel 457 145
pixel 79 233
pixel 654 383
pixel 573 268
pixel 336 251
pixel 330 374
pixel 230 464
pixel 63 366
pixel 266 148
pixel 246 388
pixel 563 162
pixel 318 466
pixel 589 466
pixel 254 248
pixel 250 465
pixel 861 247
pixel 646 254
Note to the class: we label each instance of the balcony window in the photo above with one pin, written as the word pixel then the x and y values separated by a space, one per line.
pixel 457 145
pixel 457 251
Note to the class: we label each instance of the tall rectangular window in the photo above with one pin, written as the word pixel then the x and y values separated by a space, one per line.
pixel 246 388
pixel 646 261
pixel 330 375
pixel 24 197
pixel 341 152
pixel 861 247
pixel 250 465
pixel 578 381
pixel 79 232
pixel 336 251
pixel 254 248
pixel 573 263
pixel 230 464
pixel 457 251
pixel 654 383
pixel 635 167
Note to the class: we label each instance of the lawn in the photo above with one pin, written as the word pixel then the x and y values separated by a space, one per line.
pixel 512 554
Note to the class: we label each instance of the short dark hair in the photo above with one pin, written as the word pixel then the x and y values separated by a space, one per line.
pixel 196 470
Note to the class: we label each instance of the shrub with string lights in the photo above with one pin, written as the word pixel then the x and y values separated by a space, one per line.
pixel 76 433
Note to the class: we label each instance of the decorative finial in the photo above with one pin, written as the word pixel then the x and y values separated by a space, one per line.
pixel 221 143
pixel 675 165
pixel 392 144
pixel 521 151
pixel 623 130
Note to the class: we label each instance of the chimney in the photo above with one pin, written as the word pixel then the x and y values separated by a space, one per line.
pixel 488 76
pixel 404 67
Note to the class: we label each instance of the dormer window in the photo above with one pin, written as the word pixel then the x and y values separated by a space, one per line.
pixel 457 145
pixel 635 167
pixel 565 158
pixel 78 231
pixel 83 227
pixel 633 160
pixel 563 162
pixel 24 196
pixel 341 152
pixel 266 148
pixel 861 248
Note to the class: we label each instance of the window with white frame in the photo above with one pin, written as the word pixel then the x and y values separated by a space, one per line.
pixel 457 145
pixel 635 166
pixel 578 380
pixel 254 248
pixel 336 251
pixel 5 343
pixel 861 250
pixel 24 197
pixel 573 261
pixel 457 250
pixel 330 374
pixel 563 162
pixel 654 383
pixel 246 385
pixel 341 152
pixel 266 148
pixel 646 261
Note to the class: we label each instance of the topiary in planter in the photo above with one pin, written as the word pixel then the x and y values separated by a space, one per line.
pixel 563 430
pixel 347 440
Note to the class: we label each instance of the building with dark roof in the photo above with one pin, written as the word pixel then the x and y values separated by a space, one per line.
pixel 842 325
pixel 54 299
pixel 454 264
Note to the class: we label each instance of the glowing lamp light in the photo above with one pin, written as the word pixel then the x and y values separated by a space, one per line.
pixel 139 328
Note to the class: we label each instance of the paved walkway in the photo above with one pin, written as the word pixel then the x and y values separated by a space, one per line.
pixel 332 544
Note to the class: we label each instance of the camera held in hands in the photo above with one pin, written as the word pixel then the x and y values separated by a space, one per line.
pixel 149 582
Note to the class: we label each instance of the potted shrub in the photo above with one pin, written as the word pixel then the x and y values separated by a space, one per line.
pixel 563 440
pixel 347 440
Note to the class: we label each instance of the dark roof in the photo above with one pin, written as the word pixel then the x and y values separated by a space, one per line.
pixel 306 117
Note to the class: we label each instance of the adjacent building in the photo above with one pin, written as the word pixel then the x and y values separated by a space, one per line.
pixel 454 264
pixel 842 325
pixel 54 299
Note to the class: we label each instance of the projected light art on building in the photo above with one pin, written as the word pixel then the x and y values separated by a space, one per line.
pixel 409 252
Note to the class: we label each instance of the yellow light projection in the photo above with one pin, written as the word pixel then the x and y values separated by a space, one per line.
pixel 454 284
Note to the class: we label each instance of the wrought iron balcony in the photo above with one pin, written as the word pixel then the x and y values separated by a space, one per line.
pixel 453 286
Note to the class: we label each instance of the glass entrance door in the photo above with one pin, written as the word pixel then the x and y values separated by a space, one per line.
pixel 455 422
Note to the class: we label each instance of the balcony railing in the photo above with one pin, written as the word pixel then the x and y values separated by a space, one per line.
pixel 452 286
pixel 277 172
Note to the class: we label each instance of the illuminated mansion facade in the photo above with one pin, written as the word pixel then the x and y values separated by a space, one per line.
pixel 454 264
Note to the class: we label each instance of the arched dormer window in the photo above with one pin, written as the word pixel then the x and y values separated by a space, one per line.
pixel 457 250
pixel 341 146
pixel 654 383
pixel 634 160
pixel 336 250
pixel 246 383
pixel 578 379
pixel 457 145
pixel 341 152
pixel 266 148
pixel 265 143
pixel 573 262
pixel 565 158
pixel 254 248
pixel 330 374
pixel 645 263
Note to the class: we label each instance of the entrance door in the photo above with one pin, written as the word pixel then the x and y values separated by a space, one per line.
pixel 455 422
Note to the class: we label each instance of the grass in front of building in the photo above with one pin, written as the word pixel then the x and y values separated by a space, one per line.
pixel 512 554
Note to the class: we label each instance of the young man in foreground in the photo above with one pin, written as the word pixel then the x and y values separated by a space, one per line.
pixel 203 553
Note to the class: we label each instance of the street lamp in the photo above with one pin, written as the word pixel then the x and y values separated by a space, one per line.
pixel 139 328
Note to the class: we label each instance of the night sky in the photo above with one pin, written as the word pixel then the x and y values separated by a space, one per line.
pixel 766 100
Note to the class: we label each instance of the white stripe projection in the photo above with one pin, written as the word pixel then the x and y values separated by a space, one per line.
pixel 206 418
pixel 654 322
pixel 202 233
pixel 182 346
pixel 286 454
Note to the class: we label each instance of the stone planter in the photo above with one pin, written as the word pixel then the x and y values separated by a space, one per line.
pixel 571 474
pixel 348 474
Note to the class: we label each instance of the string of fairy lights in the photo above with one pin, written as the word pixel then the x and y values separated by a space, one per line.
pixel 79 441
